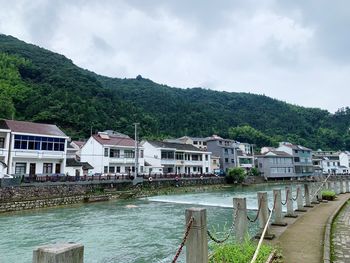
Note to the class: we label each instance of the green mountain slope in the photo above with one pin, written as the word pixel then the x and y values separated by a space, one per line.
pixel 39 85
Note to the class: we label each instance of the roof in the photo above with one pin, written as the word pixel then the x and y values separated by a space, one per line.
pixel 177 146
pixel 276 154
pixel 79 143
pixel 32 128
pixel 71 162
pixel 117 141
pixel 3 164
pixel 295 147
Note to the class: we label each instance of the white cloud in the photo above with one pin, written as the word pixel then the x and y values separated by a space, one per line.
pixel 263 48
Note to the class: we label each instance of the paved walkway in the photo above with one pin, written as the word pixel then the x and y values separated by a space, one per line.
pixel 341 240
pixel 302 240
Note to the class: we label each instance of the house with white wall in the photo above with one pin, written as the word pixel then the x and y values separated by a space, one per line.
pixel 332 162
pixel 175 158
pixel 4 147
pixel 111 153
pixel 32 148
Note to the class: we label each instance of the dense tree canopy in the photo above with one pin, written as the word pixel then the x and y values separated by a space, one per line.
pixel 42 86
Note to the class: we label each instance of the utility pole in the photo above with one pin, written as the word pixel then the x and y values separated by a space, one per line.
pixel 136 152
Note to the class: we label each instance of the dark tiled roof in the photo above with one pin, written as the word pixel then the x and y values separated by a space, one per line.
pixel 117 141
pixel 178 146
pixel 3 125
pixel 33 128
pixel 275 153
pixel 71 162
pixel 296 147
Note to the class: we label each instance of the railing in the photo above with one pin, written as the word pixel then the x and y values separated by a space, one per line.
pixel 42 178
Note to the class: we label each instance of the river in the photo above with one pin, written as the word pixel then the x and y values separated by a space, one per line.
pixel 125 231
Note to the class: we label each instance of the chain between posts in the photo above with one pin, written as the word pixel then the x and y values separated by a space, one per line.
pixel 294 199
pixel 220 241
pixel 287 195
pixel 257 215
pixel 188 227
pixel 322 183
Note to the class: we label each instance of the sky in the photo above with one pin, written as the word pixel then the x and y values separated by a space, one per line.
pixel 293 50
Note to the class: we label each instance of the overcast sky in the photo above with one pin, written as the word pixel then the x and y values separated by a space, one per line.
pixel 294 50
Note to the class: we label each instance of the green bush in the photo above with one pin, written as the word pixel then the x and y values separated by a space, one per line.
pixel 235 175
pixel 254 171
pixel 239 253
pixel 328 195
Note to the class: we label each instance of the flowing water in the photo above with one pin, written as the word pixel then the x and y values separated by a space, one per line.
pixel 133 231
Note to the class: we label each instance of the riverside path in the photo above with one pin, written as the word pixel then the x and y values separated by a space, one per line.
pixel 341 240
pixel 302 241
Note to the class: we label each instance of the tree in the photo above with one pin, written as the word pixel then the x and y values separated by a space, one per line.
pixel 235 175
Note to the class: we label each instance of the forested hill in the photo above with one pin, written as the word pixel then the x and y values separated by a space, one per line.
pixel 42 86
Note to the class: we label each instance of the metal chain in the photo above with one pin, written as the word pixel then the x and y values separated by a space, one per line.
pixel 188 227
pixel 219 241
pixel 274 204
pixel 257 215
pixel 296 196
pixel 287 195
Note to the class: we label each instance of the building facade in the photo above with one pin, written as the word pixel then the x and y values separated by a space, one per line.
pixel 111 153
pixel 32 148
pixel 175 158
pixel 331 162
pixel 302 158
pixel 276 164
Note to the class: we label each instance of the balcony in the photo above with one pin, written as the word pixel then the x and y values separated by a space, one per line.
pixel 121 160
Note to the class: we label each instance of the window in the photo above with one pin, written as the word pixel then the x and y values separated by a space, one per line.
pixel 114 153
pixel 296 159
pixel 195 142
pixel 206 169
pixel 106 152
pixel 296 151
pixel 206 157
pixel 129 154
pixel 141 154
pixel 204 143
pixel 25 142
pixel 105 169
pixel 47 168
pixel 232 151
pixel 226 151
pixel 2 142
pixel 195 157
pixel 232 160
pixel 111 169
pixel 226 160
pixel 118 169
pixel 179 156
pixel 168 155
pixel 20 168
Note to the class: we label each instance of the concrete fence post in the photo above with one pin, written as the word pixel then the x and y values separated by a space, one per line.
pixel 342 186
pixel 263 215
pixel 347 185
pixel 337 187
pixel 329 186
pixel 277 200
pixel 59 253
pixel 300 203
pixel 197 241
pixel 289 196
pixel 240 218
pixel 332 186
pixel 307 196
pixel 315 192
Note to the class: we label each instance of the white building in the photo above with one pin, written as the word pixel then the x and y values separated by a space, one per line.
pixel 111 152
pixel 332 162
pixel 168 157
pixel 29 148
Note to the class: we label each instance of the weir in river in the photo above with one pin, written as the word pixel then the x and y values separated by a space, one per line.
pixel 140 230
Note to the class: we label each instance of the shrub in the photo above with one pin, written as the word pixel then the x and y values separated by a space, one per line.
pixel 254 171
pixel 328 195
pixel 239 253
pixel 235 175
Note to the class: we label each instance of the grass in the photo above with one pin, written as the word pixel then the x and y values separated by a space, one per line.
pixel 328 195
pixel 239 252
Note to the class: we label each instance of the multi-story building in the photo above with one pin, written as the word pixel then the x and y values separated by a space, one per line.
pixel 168 157
pixel 111 152
pixel 302 158
pixel 276 164
pixel 29 148
pixel 331 162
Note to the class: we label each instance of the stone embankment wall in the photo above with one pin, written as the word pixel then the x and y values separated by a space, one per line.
pixel 42 195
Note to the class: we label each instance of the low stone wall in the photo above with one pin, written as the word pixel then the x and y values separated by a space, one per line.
pixel 40 195
pixel 40 203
